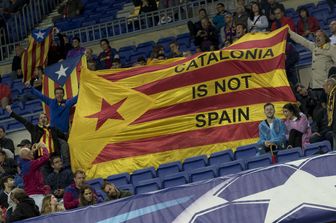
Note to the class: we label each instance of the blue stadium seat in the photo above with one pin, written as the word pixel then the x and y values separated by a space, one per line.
pixel 259 161
pixel 127 187
pixel 221 157
pixel 14 125
pixel 142 174
pixel 288 155
pixel 175 180
pixel 96 183
pixel 89 23
pixel 18 109
pixel 147 186
pixel 309 7
pixel 168 169
pixel 243 152
pixel 231 167
pixel 315 148
pixel 134 57
pixel 194 162
pixel 33 106
pixel 119 179
pixel 205 173
pixel 101 194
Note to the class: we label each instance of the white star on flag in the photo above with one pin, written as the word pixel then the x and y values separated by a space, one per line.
pixel 61 72
pixel 39 34
pixel 300 188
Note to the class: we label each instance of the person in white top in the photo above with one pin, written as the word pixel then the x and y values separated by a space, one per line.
pixel 332 26
pixel 256 22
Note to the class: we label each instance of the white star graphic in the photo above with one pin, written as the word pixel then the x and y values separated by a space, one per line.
pixel 300 188
pixel 39 35
pixel 61 72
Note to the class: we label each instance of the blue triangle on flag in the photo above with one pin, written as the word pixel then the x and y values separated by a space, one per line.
pixel 59 72
pixel 40 34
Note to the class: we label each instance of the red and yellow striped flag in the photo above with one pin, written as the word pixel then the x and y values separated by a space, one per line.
pixel 36 54
pixel 129 119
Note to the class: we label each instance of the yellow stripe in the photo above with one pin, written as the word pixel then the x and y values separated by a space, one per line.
pixel 259 36
pixel 133 163
pixel 247 81
pixel 74 82
pixel 149 77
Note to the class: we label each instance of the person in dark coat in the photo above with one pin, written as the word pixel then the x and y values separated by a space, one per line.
pixel 8 166
pixel 25 206
pixel 6 142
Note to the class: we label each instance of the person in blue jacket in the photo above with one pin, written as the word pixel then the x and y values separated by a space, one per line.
pixel 272 131
pixel 59 108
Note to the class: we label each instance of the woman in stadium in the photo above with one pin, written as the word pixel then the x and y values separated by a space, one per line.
pixel 50 205
pixel 298 130
pixel 87 196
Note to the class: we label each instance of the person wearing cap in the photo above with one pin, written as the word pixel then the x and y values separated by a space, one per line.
pixel 323 55
pixel 6 142
pixel 77 49
pixel 42 131
pixel 24 143
pixel 228 31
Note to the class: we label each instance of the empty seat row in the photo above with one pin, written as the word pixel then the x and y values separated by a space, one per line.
pixel 172 174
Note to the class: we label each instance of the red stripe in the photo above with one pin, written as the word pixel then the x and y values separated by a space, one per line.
pixel 78 70
pixel 264 43
pixel 25 61
pixel 199 137
pixel 33 59
pixel 42 45
pixel 140 70
pixel 219 70
pixel 68 87
pixel 46 93
pixel 222 101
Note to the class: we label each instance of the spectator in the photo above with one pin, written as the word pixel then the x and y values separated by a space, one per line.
pixel 175 50
pixel 113 192
pixel 89 54
pixel 228 32
pixel 280 19
pixel 57 50
pixel 71 8
pixel 147 6
pixel 243 3
pixel 105 58
pixel 5 95
pixel 6 142
pixel 298 130
pixel 60 178
pixel 292 59
pixel 330 89
pixel 72 192
pixel 272 131
pixel 7 185
pixel 240 15
pixel 309 100
pixel 268 6
pixel 16 64
pixel 157 50
pixel 25 206
pixel 43 132
pixel 51 205
pixel 333 32
pixel 59 108
pixel 87 196
pixel 92 65
pixel 195 27
pixel 77 49
pixel 8 165
pixel 256 22
pixel 240 31
pixel 32 175
pixel 207 36
pixel 307 24
pixel 25 143
pixel 324 55
pixel 219 19
pixel 36 80
pixel 164 4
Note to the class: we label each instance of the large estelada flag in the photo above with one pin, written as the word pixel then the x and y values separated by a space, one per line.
pixel 63 74
pixel 134 118
pixel 36 54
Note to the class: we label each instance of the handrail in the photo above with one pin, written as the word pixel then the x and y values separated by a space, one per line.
pixel 125 27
